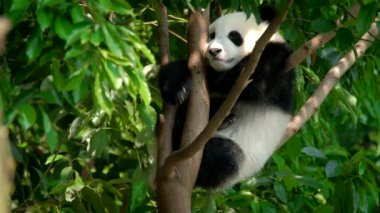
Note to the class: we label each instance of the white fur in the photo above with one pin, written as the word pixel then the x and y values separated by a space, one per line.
pixel 231 54
pixel 257 130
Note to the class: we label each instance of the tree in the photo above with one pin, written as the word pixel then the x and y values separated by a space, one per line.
pixel 79 97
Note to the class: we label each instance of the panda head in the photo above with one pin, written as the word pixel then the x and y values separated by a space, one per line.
pixel 232 37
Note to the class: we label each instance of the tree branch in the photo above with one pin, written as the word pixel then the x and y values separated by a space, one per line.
pixel 163 31
pixel 335 73
pixel 5 27
pixel 199 91
pixel 227 105
pixel 167 118
pixel 7 164
pixel 315 43
pixel 174 189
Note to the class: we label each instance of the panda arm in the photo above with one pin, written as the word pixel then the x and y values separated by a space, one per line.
pixel 175 82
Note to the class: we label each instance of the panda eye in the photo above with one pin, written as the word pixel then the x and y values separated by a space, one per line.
pixel 235 37
pixel 211 36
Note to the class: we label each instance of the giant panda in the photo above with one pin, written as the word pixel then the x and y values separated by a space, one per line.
pixel 252 131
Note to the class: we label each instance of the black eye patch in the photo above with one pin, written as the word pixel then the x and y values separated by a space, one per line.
pixel 211 36
pixel 236 38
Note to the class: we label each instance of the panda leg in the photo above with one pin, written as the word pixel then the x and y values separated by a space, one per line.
pixel 220 161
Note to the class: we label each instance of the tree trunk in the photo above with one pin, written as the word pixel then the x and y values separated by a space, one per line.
pixel 175 182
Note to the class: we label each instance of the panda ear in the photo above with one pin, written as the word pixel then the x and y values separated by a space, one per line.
pixel 267 13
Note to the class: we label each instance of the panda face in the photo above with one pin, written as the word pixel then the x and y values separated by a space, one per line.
pixel 231 38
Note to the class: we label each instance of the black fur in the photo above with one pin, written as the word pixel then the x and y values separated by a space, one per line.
pixel 267 12
pixel 220 161
pixel 175 82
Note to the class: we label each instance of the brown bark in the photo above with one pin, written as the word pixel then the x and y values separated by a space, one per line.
pixel 7 164
pixel 166 122
pixel 174 187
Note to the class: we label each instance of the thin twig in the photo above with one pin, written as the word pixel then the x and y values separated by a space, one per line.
pixel 335 73
pixel 317 42
pixel 174 34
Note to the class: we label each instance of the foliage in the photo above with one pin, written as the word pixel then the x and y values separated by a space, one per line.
pixel 80 100
pixel 78 103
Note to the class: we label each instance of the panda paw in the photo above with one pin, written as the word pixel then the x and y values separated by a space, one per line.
pixel 175 82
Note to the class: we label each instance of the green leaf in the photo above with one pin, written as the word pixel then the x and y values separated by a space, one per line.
pixel 18 10
pixel 44 17
pixel 144 90
pixel 99 144
pixel 58 78
pixel 73 52
pixel 141 47
pixel 62 27
pixel 267 207
pixel 313 152
pixel 77 14
pixel 20 5
pixel 52 140
pixel 54 158
pixel 112 44
pixel 66 172
pixel 138 194
pixel 311 182
pixel 51 2
pixel 280 192
pixel 332 169
pixel 101 97
pixel 118 6
pixel 96 38
pixel 290 182
pixel 46 122
pixel 322 25
pixel 27 116
pixel 209 204
pixel 34 46
pixel 138 44
pixel 76 126
pixel 72 191
pixel 343 203
pixel 336 151
pixel 365 17
pixel 112 74
pixel 362 168
pixel 320 198
pixel 74 80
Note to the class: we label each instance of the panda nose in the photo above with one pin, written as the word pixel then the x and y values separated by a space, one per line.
pixel 214 51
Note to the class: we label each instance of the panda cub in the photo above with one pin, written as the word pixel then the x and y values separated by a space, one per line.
pixel 252 131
